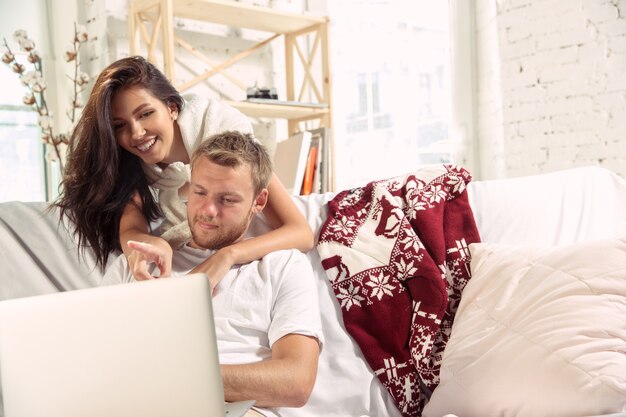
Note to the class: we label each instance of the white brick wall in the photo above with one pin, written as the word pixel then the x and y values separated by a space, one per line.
pixel 551 85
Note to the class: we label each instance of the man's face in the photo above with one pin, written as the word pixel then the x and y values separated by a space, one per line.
pixel 221 204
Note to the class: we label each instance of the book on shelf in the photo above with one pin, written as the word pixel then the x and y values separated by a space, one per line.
pixel 290 160
pixel 302 162
pixel 318 143
pixel 309 172
pixel 321 137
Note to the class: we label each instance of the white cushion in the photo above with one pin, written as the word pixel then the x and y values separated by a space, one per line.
pixel 556 208
pixel 538 332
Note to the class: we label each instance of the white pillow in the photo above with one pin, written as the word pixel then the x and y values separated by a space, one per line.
pixel 576 205
pixel 538 332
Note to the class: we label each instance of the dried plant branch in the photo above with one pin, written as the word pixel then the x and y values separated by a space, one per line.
pixel 35 85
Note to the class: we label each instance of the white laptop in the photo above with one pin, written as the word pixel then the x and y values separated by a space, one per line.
pixel 145 349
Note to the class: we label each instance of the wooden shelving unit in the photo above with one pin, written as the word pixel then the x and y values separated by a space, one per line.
pixel 305 76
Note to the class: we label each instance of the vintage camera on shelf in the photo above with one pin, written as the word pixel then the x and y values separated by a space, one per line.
pixel 262 92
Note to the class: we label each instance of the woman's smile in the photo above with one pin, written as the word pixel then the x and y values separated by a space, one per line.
pixel 147 145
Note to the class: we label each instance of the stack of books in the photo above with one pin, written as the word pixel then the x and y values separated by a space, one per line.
pixel 302 162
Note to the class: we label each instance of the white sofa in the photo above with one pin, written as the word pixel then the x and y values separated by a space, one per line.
pixel 540 330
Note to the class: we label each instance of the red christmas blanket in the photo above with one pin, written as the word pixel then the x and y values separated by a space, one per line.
pixel 396 254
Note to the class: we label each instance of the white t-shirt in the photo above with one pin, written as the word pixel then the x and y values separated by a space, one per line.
pixel 254 305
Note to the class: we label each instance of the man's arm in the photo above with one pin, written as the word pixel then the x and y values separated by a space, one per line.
pixel 285 380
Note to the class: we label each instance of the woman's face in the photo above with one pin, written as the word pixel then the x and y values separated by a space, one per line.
pixel 143 125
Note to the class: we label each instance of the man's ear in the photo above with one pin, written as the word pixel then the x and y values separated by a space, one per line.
pixel 260 201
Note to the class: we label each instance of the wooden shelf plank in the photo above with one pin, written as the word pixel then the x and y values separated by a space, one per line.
pixel 141 5
pixel 277 110
pixel 244 16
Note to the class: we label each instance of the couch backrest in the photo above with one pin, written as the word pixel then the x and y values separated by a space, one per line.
pixel 558 208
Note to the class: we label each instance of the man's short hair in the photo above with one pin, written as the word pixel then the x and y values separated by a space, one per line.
pixel 233 149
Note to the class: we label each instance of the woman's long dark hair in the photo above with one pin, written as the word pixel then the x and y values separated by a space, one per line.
pixel 100 176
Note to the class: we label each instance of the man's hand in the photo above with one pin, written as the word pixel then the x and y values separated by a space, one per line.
pixel 158 251
pixel 216 266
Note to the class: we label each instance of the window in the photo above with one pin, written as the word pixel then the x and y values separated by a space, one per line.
pixel 21 149
pixel 391 87
pixel 368 115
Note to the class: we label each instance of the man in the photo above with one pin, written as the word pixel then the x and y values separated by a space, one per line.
pixel 266 312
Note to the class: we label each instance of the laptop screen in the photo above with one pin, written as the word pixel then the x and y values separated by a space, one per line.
pixel 142 349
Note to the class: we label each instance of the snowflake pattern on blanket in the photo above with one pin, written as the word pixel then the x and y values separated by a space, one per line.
pixel 396 254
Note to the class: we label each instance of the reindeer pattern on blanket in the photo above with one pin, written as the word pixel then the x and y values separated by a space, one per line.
pixel 396 254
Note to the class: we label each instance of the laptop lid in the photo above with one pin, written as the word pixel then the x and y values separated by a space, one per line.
pixel 142 349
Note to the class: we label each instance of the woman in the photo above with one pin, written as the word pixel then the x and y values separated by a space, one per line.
pixel 135 135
